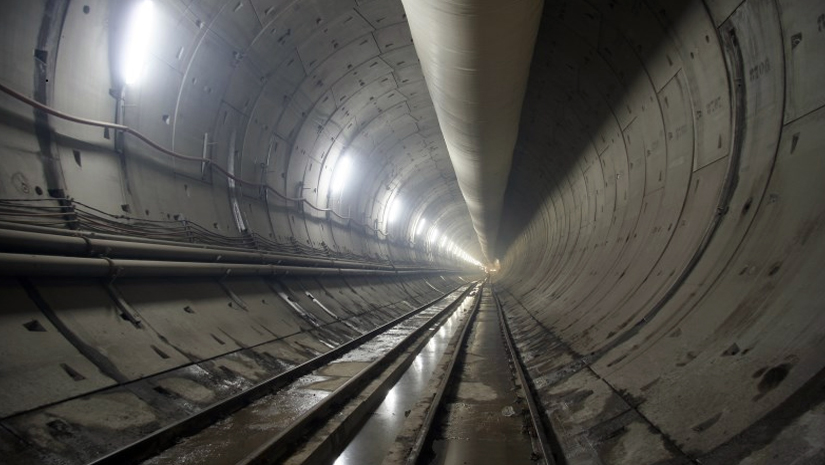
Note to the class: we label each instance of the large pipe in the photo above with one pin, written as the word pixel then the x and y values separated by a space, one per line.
pixel 12 264
pixel 475 55
pixel 41 240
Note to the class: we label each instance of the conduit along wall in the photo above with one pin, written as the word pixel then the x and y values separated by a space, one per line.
pixel 475 55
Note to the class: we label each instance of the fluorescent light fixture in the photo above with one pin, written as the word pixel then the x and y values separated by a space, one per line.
pixel 341 174
pixel 433 235
pixel 395 209
pixel 139 35
pixel 421 223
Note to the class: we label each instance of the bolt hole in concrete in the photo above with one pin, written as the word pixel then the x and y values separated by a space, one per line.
pixel 747 205
pixel 160 353
pixel 774 268
pixel 34 326
pixel 72 372
pixel 774 377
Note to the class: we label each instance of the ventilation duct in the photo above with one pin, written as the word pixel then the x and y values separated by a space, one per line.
pixel 475 55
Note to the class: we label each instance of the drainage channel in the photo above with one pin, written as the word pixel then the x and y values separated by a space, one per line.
pixel 478 407
pixel 271 418
pixel 374 440
pixel 483 417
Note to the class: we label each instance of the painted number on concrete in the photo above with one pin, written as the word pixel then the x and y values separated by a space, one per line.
pixel 760 70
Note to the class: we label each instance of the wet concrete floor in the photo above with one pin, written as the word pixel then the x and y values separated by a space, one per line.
pixel 482 421
pixel 233 438
pixel 375 438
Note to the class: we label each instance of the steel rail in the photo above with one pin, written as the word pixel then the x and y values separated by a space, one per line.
pixel 543 437
pixel 337 440
pixel 285 442
pixel 166 437
pixel 423 435
pixel 540 441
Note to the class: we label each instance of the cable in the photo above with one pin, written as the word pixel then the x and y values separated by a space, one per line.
pixel 128 130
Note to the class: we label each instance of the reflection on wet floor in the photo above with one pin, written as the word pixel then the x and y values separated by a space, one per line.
pixel 233 438
pixel 379 432
pixel 482 420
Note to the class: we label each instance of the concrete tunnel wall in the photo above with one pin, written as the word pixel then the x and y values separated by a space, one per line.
pixel 660 243
pixel 667 183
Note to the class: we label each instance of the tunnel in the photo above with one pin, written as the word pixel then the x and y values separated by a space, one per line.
pixel 196 195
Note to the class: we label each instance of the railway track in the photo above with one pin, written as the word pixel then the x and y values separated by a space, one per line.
pixel 223 432
pixel 479 408
pixel 438 385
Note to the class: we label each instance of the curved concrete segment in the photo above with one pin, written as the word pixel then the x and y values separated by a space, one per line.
pixel 661 235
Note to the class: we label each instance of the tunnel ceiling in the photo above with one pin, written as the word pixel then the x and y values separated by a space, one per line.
pixel 325 80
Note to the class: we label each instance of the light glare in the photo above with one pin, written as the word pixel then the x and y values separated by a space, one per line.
pixel 433 235
pixel 421 223
pixel 395 210
pixel 138 41
pixel 341 173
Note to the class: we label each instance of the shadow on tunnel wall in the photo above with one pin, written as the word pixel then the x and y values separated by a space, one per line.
pixel 659 243
pixel 559 118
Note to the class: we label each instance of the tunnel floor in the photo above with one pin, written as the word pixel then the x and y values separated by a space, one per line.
pixel 232 439
pixel 483 420
pixel 376 437
pixel 433 385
